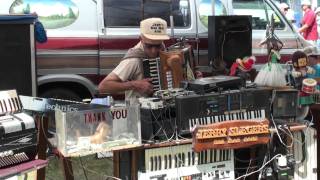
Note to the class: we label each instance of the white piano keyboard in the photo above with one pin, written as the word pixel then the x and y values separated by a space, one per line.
pixel 180 162
pixel 306 170
pixel 234 115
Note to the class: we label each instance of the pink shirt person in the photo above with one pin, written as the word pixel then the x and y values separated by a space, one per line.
pixel 309 19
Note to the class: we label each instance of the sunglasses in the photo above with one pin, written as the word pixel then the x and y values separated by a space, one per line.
pixel 150 46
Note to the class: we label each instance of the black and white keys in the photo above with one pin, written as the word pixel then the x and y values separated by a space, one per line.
pixel 182 156
pixel 228 116
pixel 151 69
pixel 180 161
pixel 9 102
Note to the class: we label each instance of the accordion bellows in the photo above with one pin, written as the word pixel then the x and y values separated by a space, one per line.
pixel 169 69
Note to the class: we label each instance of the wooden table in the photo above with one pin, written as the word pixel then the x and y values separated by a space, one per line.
pixel 22 168
pixel 43 144
pixel 132 156
pixel 126 161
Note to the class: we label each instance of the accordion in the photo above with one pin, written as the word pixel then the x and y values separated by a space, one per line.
pixel 170 68
pixel 18 133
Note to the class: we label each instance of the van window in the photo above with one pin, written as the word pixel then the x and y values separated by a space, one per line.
pixel 178 8
pixel 256 8
pixel 124 13
pixel 205 10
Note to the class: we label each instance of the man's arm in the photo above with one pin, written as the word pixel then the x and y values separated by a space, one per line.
pixel 303 28
pixel 113 84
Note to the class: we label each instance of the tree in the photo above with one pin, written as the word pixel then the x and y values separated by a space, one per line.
pixel 71 14
pixel 27 9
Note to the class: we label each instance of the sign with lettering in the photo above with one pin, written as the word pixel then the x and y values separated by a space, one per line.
pixel 119 113
pixel 120 118
pixel 231 134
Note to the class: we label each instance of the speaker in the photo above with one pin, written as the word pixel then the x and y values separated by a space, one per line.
pixel 229 38
pixel 17 54
pixel 157 124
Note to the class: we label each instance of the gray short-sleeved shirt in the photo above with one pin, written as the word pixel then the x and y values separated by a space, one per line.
pixel 128 70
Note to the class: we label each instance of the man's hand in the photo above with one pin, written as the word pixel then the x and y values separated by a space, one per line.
pixel 143 86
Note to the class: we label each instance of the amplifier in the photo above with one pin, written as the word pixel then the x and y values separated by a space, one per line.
pixel 157 124
pixel 214 83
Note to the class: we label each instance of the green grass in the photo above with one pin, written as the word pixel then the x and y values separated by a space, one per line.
pixel 96 169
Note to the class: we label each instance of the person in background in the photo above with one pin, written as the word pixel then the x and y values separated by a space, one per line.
pixel 128 75
pixel 289 14
pixel 309 24
pixel 317 12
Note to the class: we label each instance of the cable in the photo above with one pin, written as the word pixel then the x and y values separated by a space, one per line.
pixel 261 168
pixel 94 172
pixel 274 124
pixel 89 170
pixel 159 117
pixel 254 159
pixel 85 174
pixel 43 131
pixel 303 149
pixel 244 168
pixel 265 158
pixel 247 169
pixel 277 132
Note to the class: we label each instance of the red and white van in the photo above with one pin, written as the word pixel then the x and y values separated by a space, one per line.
pixel 87 38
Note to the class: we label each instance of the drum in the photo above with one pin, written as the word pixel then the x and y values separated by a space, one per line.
pixel 309 85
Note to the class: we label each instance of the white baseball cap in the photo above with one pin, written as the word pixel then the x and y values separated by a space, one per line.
pixel 305 2
pixel 284 6
pixel 317 10
pixel 154 29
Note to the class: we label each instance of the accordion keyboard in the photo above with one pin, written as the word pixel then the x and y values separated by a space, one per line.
pixel 151 70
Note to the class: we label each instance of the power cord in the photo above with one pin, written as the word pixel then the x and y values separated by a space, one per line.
pixel 84 171
pixel 261 168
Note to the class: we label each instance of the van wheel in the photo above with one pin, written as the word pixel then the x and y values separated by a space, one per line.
pixel 61 93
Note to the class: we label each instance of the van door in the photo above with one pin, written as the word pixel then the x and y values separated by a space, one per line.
pixel 121 20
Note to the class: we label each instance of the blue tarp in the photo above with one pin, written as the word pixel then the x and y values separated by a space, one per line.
pixel 24 19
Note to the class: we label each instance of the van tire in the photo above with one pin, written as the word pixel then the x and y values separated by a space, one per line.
pixel 61 93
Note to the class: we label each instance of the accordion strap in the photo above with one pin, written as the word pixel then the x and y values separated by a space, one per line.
pixel 135 53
